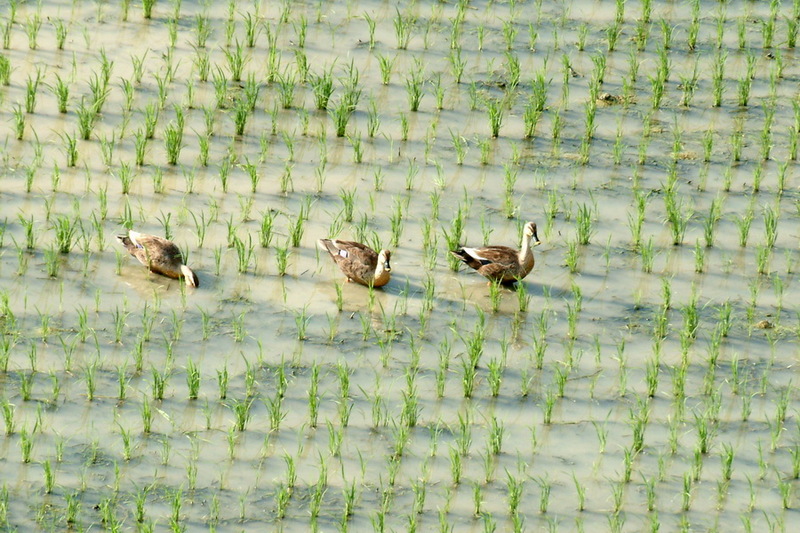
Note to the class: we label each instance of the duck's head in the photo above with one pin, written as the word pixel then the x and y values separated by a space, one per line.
pixel 190 276
pixel 384 258
pixel 530 232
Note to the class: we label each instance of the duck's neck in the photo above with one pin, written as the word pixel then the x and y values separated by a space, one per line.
pixel 525 248
pixel 381 275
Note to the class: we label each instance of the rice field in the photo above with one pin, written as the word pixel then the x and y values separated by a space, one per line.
pixel 641 378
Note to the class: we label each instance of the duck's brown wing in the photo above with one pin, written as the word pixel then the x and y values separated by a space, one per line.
pixel 356 261
pixel 493 262
pixel 127 243
pixel 500 272
pixel 157 253
pixel 487 255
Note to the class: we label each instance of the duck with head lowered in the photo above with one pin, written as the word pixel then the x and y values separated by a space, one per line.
pixel 359 262
pixel 501 263
pixel 159 255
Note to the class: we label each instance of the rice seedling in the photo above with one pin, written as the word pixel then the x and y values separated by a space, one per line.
pixel 403 25
pixel 768 31
pixel 241 412
pixel 583 32
pixel 763 257
pixel 678 216
pixel 60 90
pixel 202 30
pixel 358 147
pixel 173 142
pixel 509 32
pixel 296 230
pixel 31 90
pixel 414 84
pixel 286 85
pixel 718 78
pixel 282 254
pixel 766 150
pixel 241 113
pixel 125 177
pixel 571 256
pixel 26 445
pixel 770 226
pixel 61 32
pixel 192 379
pixel 236 60
pixel 699 258
pixel 686 492
pixel 583 224
pixel 107 149
pixel 9 411
pixel 151 114
pixel 341 113
pixel 457 65
pixel 371 24
pixel 100 91
pixel 404 127
pixel 159 383
pixel 30 231
pixel 26 381
pixel 220 82
pixel 7 33
pixel 496 113
pixel 147 8
pixel 335 438
pixel 19 122
pixel 65 230
pixel 647 254
pixel 5 70
pixel 252 29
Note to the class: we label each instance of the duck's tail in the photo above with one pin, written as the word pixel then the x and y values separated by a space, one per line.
pixel 462 254
pixel 126 242
pixel 328 246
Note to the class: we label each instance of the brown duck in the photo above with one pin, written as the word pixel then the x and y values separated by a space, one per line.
pixel 501 263
pixel 159 255
pixel 358 262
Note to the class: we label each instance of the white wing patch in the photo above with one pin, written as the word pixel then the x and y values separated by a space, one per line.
pixel 133 235
pixel 341 252
pixel 472 252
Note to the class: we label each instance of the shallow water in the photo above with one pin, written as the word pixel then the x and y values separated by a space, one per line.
pixel 567 414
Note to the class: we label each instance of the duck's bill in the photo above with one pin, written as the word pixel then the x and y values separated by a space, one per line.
pixel 387 267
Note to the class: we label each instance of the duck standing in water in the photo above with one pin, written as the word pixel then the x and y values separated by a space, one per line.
pixel 159 255
pixel 501 263
pixel 358 262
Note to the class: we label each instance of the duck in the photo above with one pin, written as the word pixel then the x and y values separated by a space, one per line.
pixel 501 263
pixel 359 262
pixel 159 255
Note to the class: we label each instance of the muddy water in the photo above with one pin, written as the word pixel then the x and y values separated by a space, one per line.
pixel 393 422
